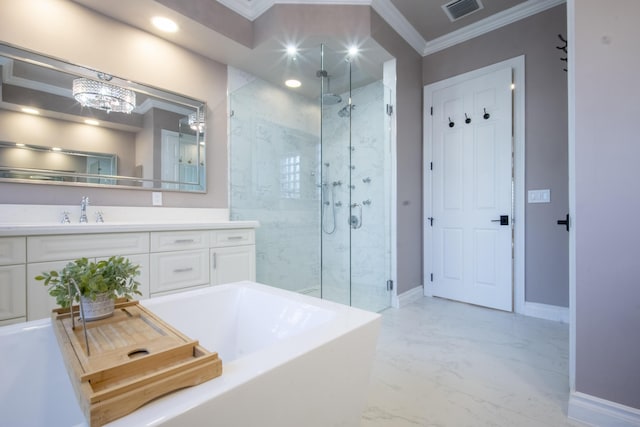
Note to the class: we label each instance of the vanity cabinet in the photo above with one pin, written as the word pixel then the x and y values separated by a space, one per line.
pixel 12 280
pixel 46 253
pixel 170 261
pixel 233 256
pixel 189 259
pixel 179 259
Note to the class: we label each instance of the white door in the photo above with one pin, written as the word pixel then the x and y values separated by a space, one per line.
pixel 471 194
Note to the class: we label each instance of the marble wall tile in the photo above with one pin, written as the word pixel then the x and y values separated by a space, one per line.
pixel 304 243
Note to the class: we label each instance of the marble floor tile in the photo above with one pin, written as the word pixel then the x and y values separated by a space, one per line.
pixel 442 363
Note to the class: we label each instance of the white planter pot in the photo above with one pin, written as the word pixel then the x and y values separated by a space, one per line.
pixel 100 308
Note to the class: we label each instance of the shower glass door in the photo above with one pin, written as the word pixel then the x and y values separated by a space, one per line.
pixel 355 208
pixel 313 167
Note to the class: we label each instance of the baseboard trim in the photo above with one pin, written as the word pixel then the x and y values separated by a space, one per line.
pixel 546 311
pixel 412 295
pixel 600 412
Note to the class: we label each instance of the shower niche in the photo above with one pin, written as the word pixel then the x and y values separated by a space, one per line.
pixel 314 167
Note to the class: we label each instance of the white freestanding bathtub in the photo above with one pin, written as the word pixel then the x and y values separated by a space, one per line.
pixel 288 360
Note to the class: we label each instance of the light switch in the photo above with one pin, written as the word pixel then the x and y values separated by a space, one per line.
pixel 539 196
pixel 156 198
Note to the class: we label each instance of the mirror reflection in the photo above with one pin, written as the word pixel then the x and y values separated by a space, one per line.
pixel 65 124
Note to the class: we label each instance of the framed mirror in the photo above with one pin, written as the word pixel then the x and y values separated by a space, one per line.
pixel 64 124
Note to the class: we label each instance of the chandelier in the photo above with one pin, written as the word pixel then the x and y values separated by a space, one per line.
pixel 196 121
pixel 103 96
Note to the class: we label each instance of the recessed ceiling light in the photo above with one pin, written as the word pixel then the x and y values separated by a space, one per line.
pixel 164 24
pixel 292 50
pixel 29 110
pixel 293 83
pixel 92 122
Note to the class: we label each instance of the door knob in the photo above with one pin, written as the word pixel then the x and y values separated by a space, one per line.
pixel 564 222
pixel 504 220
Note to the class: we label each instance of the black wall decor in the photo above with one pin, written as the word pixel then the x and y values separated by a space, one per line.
pixel 563 48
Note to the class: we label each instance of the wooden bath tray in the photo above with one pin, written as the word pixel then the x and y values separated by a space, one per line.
pixel 134 358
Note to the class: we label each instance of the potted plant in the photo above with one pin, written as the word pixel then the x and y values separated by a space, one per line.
pixel 97 284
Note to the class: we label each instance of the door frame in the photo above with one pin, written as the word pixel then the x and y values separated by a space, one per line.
pixel 517 64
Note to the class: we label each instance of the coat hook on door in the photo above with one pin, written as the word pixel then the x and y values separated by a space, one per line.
pixel 467 119
pixel 451 124
pixel 486 115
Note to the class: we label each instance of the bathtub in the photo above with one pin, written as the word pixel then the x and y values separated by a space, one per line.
pixel 288 360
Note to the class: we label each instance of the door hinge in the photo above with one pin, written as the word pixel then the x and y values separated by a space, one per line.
pixel 432 111
pixel 431 277
pixel 430 221
pixel 389 109
pixel 389 285
pixel 431 166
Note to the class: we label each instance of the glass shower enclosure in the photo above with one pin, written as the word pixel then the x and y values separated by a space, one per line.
pixel 313 168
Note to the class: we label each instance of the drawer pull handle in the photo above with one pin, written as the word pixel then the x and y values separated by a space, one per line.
pixel 183 270
pixel 234 238
pixel 184 241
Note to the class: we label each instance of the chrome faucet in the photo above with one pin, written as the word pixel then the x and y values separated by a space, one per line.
pixel 83 209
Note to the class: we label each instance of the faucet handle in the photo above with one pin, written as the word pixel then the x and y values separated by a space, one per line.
pixel 99 217
pixel 65 218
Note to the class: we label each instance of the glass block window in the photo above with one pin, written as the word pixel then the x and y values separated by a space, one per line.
pixel 290 177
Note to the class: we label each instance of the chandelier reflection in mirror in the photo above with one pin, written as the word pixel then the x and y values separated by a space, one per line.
pixel 103 96
pixel 196 121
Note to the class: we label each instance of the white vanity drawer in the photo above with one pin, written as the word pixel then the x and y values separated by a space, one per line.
pixel 13 250
pixel 163 241
pixel 233 237
pixel 177 270
pixel 53 248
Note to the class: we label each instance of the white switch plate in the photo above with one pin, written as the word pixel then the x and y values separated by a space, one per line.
pixel 156 198
pixel 539 196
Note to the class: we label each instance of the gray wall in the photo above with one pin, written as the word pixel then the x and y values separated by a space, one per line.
pixel 607 199
pixel 546 247
pixel 408 151
pixel 65 30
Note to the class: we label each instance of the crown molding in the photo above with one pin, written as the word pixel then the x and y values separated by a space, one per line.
pixel 399 23
pixel 252 9
pixel 506 17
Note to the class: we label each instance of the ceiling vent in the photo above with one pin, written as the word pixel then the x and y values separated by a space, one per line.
pixel 460 8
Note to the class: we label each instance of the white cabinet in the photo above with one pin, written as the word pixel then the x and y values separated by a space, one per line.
pixel 187 259
pixel 233 264
pixel 233 256
pixel 12 280
pixel 179 259
pixel 46 253
pixel 178 270
pixel 170 261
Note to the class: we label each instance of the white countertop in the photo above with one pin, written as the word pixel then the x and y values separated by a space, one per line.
pixel 114 227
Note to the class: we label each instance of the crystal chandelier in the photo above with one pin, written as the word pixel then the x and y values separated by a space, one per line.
pixel 103 96
pixel 196 121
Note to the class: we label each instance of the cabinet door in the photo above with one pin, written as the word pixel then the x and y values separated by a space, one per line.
pixel 39 302
pixel 13 301
pixel 233 264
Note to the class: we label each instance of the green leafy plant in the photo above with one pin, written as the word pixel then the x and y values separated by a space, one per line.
pixel 114 276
